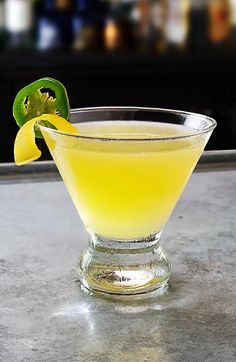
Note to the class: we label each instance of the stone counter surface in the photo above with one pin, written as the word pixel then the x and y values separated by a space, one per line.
pixel 44 316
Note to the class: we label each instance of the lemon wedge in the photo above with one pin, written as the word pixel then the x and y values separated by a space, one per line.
pixel 25 148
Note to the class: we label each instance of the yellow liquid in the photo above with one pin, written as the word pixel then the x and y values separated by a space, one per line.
pixel 125 189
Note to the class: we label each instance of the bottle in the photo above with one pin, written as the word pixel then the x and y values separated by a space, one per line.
pixel 233 21
pixel 112 34
pixel 177 24
pixel 116 29
pixel 219 21
pixel 2 24
pixel 197 38
pixel 143 28
pixel 159 12
pixel 19 23
pixel 54 25
pixel 47 29
pixel 64 15
pixel 87 25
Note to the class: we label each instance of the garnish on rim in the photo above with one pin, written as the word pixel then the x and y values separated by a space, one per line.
pixel 34 104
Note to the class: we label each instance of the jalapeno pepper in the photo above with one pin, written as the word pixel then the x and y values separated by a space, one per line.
pixel 32 102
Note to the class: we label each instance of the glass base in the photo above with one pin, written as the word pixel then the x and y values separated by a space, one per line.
pixel 119 267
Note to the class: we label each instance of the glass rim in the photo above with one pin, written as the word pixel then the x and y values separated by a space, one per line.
pixel 211 123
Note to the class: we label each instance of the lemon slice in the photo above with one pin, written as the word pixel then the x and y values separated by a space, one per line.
pixel 25 148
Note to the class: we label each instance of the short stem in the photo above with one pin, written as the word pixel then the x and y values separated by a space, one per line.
pixel 124 266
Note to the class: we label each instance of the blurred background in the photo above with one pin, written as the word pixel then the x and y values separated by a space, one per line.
pixel 178 54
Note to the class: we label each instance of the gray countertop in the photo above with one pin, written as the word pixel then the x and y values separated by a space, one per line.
pixel 44 316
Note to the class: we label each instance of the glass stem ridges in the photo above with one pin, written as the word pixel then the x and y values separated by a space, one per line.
pixel 123 267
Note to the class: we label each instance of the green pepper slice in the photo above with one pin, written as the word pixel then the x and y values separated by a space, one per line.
pixel 31 101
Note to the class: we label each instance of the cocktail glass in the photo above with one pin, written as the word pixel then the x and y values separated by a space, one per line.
pixel 125 172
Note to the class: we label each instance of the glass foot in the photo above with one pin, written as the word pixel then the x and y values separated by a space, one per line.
pixel 119 267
